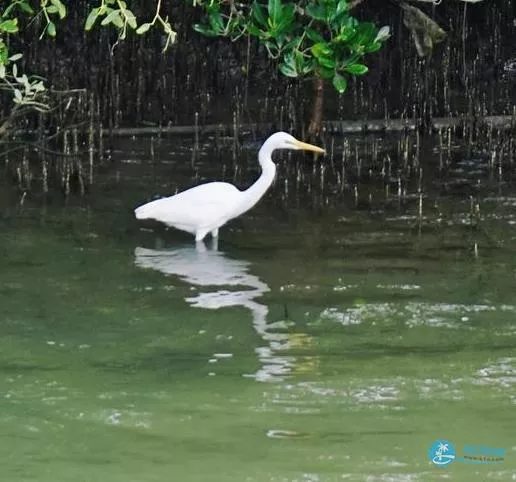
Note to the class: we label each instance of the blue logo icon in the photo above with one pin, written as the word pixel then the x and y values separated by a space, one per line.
pixel 442 453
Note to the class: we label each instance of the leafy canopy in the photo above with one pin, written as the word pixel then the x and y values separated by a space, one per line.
pixel 308 38
pixel 29 91
pixel 115 13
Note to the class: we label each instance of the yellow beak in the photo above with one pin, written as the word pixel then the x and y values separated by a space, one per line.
pixel 309 147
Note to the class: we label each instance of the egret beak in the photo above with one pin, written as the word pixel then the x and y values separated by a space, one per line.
pixel 309 147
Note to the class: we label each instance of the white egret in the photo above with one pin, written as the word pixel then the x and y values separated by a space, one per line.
pixel 204 209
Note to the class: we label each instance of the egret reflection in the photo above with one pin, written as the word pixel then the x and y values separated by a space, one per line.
pixel 224 282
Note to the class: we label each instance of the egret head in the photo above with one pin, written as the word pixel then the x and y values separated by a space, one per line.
pixel 282 140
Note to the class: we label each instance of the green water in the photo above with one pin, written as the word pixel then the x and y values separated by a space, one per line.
pixel 317 344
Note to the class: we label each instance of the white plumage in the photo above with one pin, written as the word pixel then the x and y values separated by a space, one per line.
pixel 204 209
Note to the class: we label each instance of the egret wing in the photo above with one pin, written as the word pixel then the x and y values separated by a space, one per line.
pixel 195 207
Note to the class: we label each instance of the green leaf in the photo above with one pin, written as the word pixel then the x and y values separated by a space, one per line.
pixel 60 8
pixel 321 49
pixel 338 15
pixel 92 17
pixel 25 7
pixel 274 8
pixel 309 66
pixel 9 26
pixel 366 33
pixel 114 18
pixel 216 22
pixel 202 29
pixel 259 14
pixel 345 34
pixel 253 30
pixel 340 83
pixel 352 22
pixel 4 53
pixel 130 19
pixel 15 57
pixel 287 16
pixel 314 36
pixel 326 73
pixel 316 11
pixel 288 12
pixel 144 27
pixel 51 29
pixel 303 64
pixel 117 20
pixel 374 47
pixel 357 69
pixel 326 62
pixel 342 7
pixel 287 70
pixel 103 10
pixel 52 9
pixel 110 18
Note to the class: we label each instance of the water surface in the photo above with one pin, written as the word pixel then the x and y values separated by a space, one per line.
pixel 328 338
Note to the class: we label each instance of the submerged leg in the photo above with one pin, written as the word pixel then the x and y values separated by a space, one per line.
pixel 200 247
pixel 215 239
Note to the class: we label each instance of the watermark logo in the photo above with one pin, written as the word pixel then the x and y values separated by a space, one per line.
pixel 442 453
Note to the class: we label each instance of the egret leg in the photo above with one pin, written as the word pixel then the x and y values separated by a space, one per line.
pixel 214 244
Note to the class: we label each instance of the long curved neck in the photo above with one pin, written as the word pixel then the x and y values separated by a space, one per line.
pixel 255 192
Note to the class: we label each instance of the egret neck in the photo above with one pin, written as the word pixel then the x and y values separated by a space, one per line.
pixel 255 192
